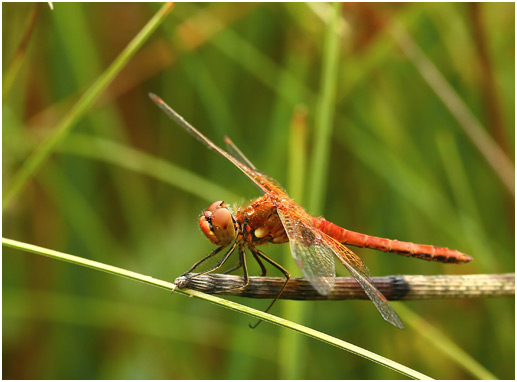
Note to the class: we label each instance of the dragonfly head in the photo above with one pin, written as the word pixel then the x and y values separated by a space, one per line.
pixel 218 224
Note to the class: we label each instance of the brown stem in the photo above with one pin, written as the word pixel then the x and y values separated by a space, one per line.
pixel 401 287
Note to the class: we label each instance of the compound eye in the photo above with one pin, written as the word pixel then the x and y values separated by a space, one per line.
pixel 222 225
pixel 215 206
pixel 217 224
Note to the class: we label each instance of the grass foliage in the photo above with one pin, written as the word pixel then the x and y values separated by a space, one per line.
pixel 124 185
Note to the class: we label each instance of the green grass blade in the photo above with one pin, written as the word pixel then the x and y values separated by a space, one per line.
pixel 470 217
pixel 20 54
pixel 262 67
pixel 325 113
pixel 39 156
pixel 491 151
pixel 292 346
pixel 218 301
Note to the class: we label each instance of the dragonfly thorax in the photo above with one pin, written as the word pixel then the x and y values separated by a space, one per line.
pixel 218 224
pixel 260 222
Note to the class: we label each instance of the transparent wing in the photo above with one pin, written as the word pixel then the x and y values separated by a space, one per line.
pixel 314 253
pixel 313 256
pixel 265 183
pixel 270 183
pixel 360 273
pixel 237 153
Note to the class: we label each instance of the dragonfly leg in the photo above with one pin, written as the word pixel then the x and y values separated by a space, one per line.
pixel 211 254
pixel 217 266
pixel 260 263
pixel 259 254
pixel 242 262
pixel 242 257
pixel 234 268
pixel 239 264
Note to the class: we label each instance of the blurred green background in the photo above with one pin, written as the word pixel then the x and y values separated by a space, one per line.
pixel 400 166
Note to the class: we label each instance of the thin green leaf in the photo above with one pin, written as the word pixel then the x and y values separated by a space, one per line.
pixel 218 301
pixel 39 156
pixel 325 113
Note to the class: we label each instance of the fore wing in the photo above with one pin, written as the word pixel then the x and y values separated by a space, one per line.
pixel 263 182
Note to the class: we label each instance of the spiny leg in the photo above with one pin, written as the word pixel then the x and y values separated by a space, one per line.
pixel 242 256
pixel 241 260
pixel 217 266
pixel 260 263
pixel 234 268
pixel 242 263
pixel 211 254
pixel 259 254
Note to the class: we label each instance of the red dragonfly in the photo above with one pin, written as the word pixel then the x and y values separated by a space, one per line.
pixel 275 218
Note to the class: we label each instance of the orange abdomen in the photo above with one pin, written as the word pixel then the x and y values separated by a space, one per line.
pixel 421 251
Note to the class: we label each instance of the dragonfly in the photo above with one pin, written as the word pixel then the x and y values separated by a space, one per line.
pixel 314 242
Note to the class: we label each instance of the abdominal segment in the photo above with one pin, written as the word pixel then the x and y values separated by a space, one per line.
pixel 421 251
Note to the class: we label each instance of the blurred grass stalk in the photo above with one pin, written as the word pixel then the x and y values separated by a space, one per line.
pixel 292 346
pixel 216 300
pixel 325 112
pixel 38 157
pixel 17 60
pixel 482 140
